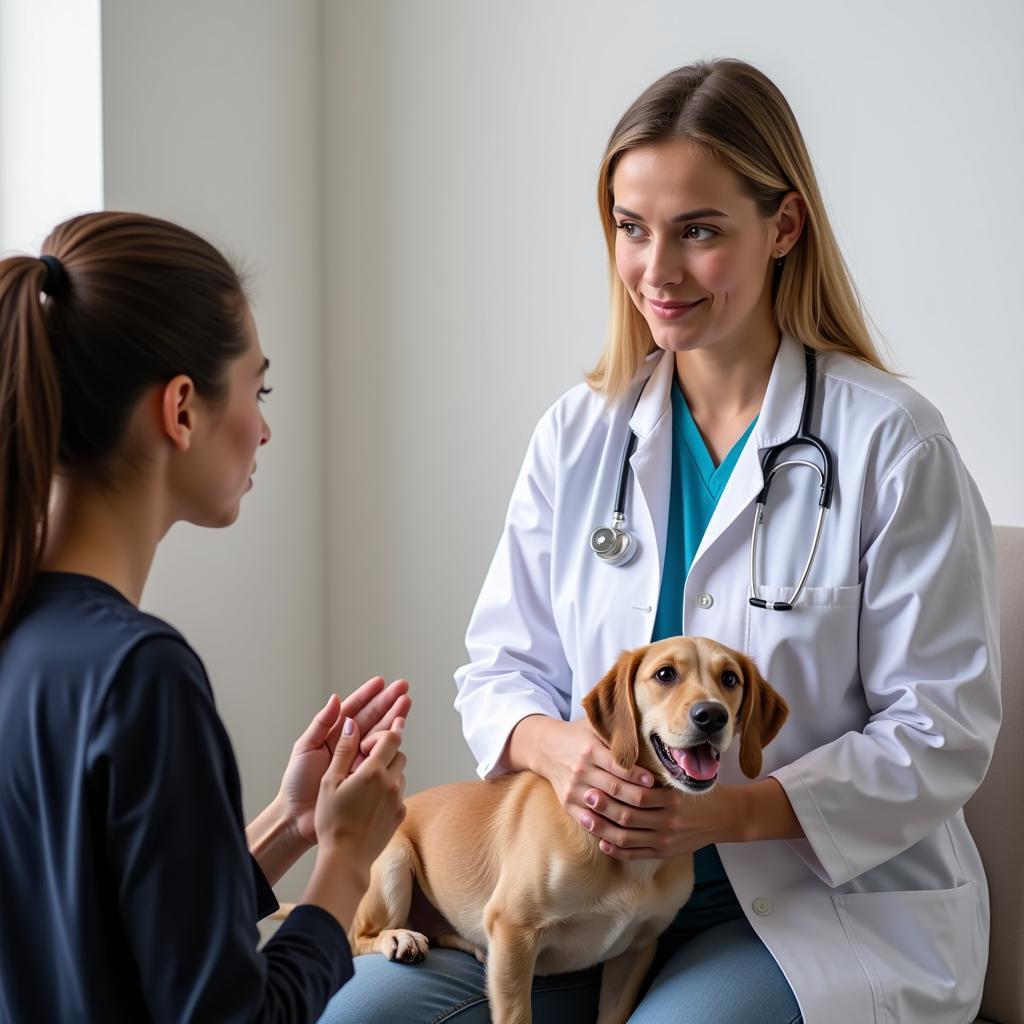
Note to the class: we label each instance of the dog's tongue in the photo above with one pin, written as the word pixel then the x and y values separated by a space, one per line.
pixel 698 762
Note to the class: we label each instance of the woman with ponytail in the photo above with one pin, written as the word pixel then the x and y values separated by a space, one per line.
pixel 131 374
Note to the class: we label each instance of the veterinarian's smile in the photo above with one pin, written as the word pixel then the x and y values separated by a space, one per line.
pixel 696 768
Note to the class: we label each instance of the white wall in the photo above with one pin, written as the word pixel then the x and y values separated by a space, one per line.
pixel 467 283
pixel 211 118
pixel 51 157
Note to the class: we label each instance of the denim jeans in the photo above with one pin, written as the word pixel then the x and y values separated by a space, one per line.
pixel 723 974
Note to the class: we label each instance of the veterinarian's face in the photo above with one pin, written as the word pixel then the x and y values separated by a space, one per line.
pixel 690 247
pixel 688 693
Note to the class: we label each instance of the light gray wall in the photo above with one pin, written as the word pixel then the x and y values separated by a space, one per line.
pixel 211 118
pixel 412 185
pixel 466 283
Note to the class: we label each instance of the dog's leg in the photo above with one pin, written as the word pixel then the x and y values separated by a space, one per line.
pixel 511 957
pixel 621 979
pixel 383 913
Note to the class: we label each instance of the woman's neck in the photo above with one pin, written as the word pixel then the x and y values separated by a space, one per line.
pixel 724 386
pixel 105 533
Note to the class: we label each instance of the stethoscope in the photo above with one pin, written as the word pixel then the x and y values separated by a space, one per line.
pixel 615 545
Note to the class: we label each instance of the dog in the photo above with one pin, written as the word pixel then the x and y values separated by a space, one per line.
pixel 497 869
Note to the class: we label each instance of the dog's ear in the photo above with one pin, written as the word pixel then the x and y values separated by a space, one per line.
pixel 762 714
pixel 611 708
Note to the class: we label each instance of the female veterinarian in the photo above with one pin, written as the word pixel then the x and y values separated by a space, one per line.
pixel 842 885
pixel 131 377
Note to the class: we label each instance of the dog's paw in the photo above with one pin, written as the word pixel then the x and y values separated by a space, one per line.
pixel 403 945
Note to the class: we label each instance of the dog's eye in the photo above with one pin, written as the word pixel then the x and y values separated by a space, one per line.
pixel 729 679
pixel 666 674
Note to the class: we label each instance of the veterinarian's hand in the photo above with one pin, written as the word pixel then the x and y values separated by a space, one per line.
pixel 374 707
pixel 672 824
pixel 358 811
pixel 575 760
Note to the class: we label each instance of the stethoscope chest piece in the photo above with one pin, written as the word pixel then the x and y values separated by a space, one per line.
pixel 612 544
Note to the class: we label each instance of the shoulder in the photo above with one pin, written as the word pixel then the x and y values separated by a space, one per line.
pixel 881 400
pixel 581 413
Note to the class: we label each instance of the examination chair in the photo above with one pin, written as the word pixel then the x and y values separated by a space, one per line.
pixel 995 814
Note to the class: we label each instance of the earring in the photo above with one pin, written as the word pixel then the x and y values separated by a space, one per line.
pixel 778 262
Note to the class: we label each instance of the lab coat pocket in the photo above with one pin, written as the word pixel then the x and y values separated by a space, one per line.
pixel 792 647
pixel 921 950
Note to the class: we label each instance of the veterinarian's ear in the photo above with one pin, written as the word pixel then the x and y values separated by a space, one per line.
pixel 762 714
pixel 611 709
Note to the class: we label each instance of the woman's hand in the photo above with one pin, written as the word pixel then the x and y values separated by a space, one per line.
pixel 675 823
pixel 374 708
pixel 670 824
pixel 357 811
pixel 576 761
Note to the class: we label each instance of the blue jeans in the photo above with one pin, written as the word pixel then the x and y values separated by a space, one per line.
pixel 723 974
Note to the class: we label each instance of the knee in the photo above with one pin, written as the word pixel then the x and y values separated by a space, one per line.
pixel 371 995
pixel 447 984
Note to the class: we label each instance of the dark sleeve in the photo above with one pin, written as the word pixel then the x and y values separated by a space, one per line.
pixel 165 782
pixel 266 901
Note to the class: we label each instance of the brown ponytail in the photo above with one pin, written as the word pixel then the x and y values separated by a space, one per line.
pixel 29 428
pixel 137 301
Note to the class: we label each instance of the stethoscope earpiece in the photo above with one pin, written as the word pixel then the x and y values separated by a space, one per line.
pixel 613 545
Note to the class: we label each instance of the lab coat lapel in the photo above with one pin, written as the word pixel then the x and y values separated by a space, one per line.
pixel 652 461
pixel 777 422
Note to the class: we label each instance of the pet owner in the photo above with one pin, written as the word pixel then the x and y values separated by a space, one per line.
pixel 842 885
pixel 130 380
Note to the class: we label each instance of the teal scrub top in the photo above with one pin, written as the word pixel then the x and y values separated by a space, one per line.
pixel 697 484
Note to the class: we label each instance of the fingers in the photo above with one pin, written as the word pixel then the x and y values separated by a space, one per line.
pixel 617 836
pixel 400 709
pixel 318 730
pixel 372 715
pixel 385 750
pixel 632 853
pixel 369 742
pixel 356 701
pixel 345 751
pixel 612 788
pixel 602 807
pixel 636 775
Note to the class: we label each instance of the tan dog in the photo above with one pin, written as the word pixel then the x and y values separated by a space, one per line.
pixel 508 876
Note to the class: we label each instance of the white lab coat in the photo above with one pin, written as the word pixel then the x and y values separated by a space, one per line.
pixel 889 663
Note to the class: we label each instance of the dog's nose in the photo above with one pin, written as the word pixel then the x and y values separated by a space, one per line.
pixel 709 716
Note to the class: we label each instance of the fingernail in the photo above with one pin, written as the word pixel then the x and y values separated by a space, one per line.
pixel 587 821
pixel 399 725
pixel 647 780
pixel 348 728
pixel 591 799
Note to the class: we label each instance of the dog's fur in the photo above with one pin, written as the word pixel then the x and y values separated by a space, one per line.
pixel 498 869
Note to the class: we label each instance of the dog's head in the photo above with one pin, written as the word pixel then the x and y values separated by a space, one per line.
pixel 674 706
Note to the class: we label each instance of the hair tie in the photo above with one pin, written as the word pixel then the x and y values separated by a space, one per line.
pixel 54 275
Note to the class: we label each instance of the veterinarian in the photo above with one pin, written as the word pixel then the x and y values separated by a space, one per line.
pixel 842 885
pixel 132 376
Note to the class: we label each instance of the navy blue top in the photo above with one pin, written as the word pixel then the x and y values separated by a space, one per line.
pixel 697 484
pixel 127 892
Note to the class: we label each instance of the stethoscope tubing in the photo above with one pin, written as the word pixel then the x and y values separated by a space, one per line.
pixel 623 547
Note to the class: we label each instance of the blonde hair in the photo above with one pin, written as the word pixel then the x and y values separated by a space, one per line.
pixel 735 114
